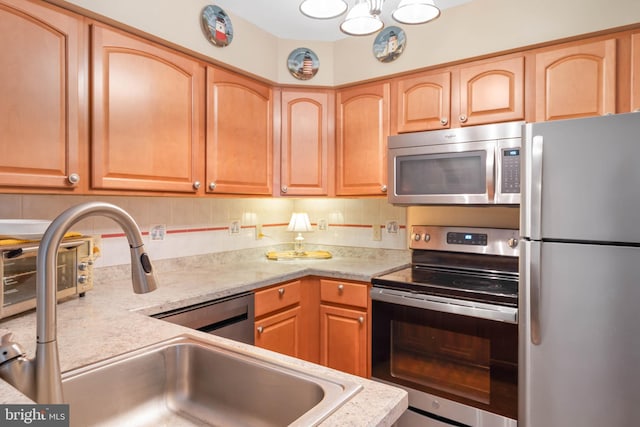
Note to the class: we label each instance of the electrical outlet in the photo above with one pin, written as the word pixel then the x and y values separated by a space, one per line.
pixel 322 225
pixel 377 232
pixel 234 227
pixel 392 227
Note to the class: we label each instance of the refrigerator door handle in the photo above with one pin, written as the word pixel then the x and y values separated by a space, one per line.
pixel 531 198
pixel 535 290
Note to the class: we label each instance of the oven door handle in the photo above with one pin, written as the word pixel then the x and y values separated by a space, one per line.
pixel 446 305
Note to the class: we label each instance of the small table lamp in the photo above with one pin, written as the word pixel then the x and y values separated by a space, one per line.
pixel 299 223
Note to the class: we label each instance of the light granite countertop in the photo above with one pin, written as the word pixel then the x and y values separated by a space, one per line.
pixel 111 319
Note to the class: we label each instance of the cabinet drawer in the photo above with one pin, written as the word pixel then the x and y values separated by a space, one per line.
pixel 346 293
pixel 277 297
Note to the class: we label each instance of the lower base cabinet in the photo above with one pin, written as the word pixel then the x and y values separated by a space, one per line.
pixel 320 320
pixel 343 335
pixel 280 332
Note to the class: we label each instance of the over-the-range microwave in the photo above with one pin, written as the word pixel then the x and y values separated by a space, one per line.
pixel 475 165
pixel 76 256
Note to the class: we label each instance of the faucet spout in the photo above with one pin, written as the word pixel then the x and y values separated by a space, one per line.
pixel 46 387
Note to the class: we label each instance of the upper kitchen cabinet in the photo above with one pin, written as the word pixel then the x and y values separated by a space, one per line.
pixel 41 122
pixel 575 80
pixel 147 115
pixel 423 102
pixel 306 138
pixel 480 92
pixel 491 91
pixel 239 141
pixel 362 128
pixel 635 72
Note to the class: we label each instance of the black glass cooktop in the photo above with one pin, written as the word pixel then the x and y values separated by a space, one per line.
pixel 492 287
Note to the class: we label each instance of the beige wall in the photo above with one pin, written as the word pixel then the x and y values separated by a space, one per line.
pixel 472 29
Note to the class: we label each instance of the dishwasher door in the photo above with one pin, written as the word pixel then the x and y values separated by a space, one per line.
pixel 230 317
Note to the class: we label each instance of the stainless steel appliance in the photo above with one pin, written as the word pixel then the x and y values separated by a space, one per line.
pixel 445 329
pixel 580 270
pixel 230 317
pixel 472 165
pixel 18 272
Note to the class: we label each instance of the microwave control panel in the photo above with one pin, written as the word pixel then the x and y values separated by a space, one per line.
pixel 510 182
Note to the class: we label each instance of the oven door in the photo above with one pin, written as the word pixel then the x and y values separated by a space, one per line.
pixel 443 174
pixel 456 367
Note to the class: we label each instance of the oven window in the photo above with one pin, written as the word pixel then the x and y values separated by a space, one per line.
pixel 449 361
pixel 469 360
pixel 450 173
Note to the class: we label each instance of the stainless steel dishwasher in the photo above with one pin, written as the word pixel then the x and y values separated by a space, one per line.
pixel 230 317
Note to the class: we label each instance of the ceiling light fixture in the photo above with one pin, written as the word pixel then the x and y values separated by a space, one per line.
pixel 364 16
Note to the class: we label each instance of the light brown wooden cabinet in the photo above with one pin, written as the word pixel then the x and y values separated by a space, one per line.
pixel 423 102
pixel 344 326
pixel 239 143
pixel 635 72
pixel 306 142
pixel 42 66
pixel 362 128
pixel 321 320
pixel 575 80
pixel 278 318
pixel 480 92
pixel 146 115
pixel 491 91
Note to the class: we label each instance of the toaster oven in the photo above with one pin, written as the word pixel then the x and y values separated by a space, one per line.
pixel 18 271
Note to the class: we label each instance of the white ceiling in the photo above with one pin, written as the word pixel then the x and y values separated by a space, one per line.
pixel 283 18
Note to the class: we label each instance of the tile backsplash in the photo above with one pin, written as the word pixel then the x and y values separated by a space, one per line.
pixel 178 226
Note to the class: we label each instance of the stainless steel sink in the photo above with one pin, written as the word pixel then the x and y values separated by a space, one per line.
pixel 186 381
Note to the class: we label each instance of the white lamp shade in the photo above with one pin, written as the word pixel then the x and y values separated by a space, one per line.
pixel 323 9
pixel 415 11
pixel 360 21
pixel 299 222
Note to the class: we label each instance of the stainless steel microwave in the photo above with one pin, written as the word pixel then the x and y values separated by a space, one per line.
pixel 18 271
pixel 475 165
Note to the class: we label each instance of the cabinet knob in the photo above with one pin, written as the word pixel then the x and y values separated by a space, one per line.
pixel 383 188
pixel 196 185
pixel 73 179
pixel 463 118
pixel 284 188
pixel 260 329
pixel 340 288
pixel 444 121
pixel 281 291
pixel 361 320
pixel 212 186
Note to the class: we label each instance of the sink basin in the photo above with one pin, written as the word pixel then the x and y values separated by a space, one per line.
pixel 186 381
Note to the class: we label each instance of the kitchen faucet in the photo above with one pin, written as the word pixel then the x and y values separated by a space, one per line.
pixel 40 377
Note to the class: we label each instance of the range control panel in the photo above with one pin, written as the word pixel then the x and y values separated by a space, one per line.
pixel 493 241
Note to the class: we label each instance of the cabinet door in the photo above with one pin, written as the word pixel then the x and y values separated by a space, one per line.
pixel 343 339
pixel 305 138
pixel 362 123
pixel 40 106
pixel 239 134
pixel 576 81
pixel 280 332
pixel 146 115
pixel 635 72
pixel 492 92
pixel 423 102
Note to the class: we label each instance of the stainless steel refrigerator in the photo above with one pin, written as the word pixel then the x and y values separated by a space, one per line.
pixel 579 291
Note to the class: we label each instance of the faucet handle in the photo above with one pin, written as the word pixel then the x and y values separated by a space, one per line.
pixel 9 349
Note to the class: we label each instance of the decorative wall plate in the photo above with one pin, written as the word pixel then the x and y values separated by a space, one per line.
pixel 303 63
pixel 389 44
pixel 216 25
